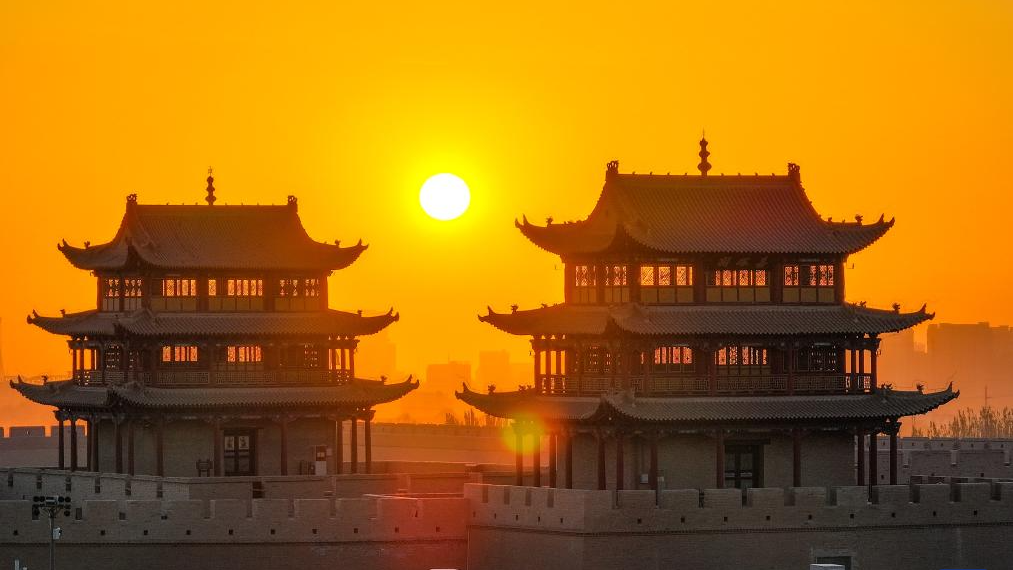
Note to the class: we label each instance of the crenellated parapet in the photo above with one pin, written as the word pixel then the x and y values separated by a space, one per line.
pixel 942 502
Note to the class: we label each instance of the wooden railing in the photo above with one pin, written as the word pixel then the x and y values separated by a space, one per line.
pixel 184 378
pixel 694 385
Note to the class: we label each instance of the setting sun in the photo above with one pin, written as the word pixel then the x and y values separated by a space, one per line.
pixel 444 196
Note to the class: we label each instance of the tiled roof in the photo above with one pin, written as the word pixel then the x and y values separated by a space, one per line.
pixel 358 393
pixel 213 237
pixel 705 214
pixel 145 323
pixel 745 320
pixel 885 404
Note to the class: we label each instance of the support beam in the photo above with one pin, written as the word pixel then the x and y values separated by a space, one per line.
pixel 873 358
pixel 217 428
pixel 719 455
pixel 873 459
pixel 860 453
pixel 284 445
pixel 160 447
pixel 601 461
pixel 620 467
pixel 652 477
pixel 118 442
pixel 366 422
pixel 62 462
pixel 552 458
pixel 796 457
pixel 93 430
pixel 130 446
pixel 354 447
pixel 536 458
pixel 568 457
pixel 337 448
pixel 791 369
pixel 88 445
pixel 73 443
pixel 519 471
pixel 894 429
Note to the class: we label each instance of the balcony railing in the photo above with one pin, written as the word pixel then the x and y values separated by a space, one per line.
pixel 185 378
pixel 693 385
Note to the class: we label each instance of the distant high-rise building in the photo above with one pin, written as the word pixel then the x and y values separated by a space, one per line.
pixel 448 374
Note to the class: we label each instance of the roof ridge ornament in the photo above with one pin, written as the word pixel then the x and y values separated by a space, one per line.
pixel 794 172
pixel 611 169
pixel 704 166
pixel 211 188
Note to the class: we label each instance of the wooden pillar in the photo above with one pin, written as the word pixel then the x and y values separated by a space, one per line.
pixel 366 422
pixel 130 446
pixel 93 439
pixel 538 365
pixel 217 427
pixel 873 459
pixel 284 445
pixel 338 447
pixel 796 457
pixel 118 442
pixel 552 459
pixel 601 461
pixel 354 447
pixel 88 445
pixel 860 448
pixel 620 467
pixel 558 381
pixel 719 453
pixel 73 443
pixel 854 369
pixel 791 369
pixel 568 457
pixel 872 362
pixel 160 447
pixel 894 428
pixel 861 366
pixel 712 378
pixel 536 457
pixel 652 477
pixel 61 464
pixel 519 475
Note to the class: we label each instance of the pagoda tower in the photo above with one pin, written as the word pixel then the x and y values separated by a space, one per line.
pixel 705 341
pixel 212 348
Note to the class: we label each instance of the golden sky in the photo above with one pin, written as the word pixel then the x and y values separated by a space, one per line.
pixel 900 108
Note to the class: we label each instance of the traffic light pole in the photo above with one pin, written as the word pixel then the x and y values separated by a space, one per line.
pixel 51 505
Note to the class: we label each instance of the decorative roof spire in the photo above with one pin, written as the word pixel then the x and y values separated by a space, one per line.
pixel 211 188
pixel 704 166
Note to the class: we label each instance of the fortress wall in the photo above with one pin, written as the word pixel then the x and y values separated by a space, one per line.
pixel 388 519
pixel 953 502
pixel 940 525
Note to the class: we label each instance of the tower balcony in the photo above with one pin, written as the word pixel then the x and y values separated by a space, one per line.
pixel 205 377
pixel 703 385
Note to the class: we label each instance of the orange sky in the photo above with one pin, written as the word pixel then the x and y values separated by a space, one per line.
pixel 902 108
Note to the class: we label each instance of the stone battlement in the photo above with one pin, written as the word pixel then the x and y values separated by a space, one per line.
pixel 237 521
pixel 940 502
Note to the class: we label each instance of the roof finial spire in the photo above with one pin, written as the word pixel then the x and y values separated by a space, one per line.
pixel 704 166
pixel 211 188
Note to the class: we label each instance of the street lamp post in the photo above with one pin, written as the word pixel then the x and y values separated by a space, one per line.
pixel 51 505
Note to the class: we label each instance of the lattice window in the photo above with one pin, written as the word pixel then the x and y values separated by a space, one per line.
pixel 666 284
pixel 288 287
pixel 617 288
pixel 741 360
pixel 812 282
pixel 178 287
pixel 179 354
pixel 585 283
pixel 818 359
pixel 111 287
pixel 311 287
pixel 747 285
pixel 244 287
pixel 244 354
pixel 673 359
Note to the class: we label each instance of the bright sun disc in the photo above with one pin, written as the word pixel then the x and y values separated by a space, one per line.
pixel 444 196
